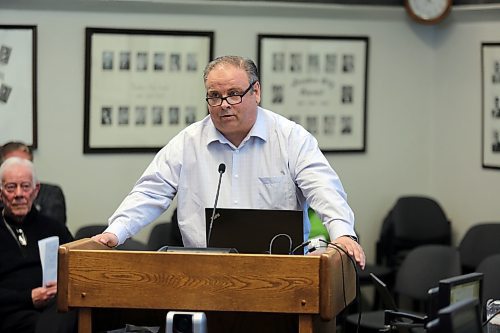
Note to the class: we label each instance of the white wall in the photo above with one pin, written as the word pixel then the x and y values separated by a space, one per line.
pixel 467 191
pixel 423 105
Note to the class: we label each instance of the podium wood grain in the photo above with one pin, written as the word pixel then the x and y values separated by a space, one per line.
pixel 91 277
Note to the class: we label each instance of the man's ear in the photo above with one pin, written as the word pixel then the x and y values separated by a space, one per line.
pixel 257 91
pixel 37 189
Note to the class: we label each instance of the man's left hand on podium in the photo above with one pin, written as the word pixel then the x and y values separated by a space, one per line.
pixel 352 248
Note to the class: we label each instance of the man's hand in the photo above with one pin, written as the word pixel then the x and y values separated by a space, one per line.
pixel 107 238
pixel 41 296
pixel 353 249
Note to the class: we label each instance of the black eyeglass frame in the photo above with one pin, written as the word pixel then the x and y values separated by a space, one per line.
pixel 222 99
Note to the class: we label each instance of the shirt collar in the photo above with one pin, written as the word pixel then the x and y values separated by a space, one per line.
pixel 259 130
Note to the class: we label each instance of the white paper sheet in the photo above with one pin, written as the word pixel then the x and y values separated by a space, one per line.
pixel 48 256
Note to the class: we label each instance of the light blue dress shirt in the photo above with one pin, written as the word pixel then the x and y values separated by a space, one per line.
pixel 277 166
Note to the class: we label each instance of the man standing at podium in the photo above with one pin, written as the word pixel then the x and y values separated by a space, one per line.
pixel 272 163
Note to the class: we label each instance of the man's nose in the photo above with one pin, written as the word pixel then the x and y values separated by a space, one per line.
pixel 225 104
pixel 19 191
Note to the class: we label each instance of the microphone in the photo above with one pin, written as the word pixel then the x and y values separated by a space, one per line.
pixel 222 169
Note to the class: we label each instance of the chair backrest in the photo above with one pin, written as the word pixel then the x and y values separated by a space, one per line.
pixel 132 245
pixel 159 236
pixel 490 267
pixel 420 219
pixel 479 242
pixel 90 230
pixel 94 229
pixel 413 221
pixel 164 233
pixel 422 269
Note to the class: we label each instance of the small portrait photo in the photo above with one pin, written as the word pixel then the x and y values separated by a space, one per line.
pixel 278 62
pixel 277 91
pixel 140 115
pixel 346 125
pixel 106 115
pixel 495 78
pixel 142 61
pixel 313 63
pixel 347 94
pixel 175 62
pixel 495 111
pixel 329 125
pixel 495 147
pixel 124 61
pixel 123 115
pixel 5 91
pixel 173 115
pixel 5 52
pixel 107 60
pixel 296 62
pixel 190 115
pixel 312 124
pixel 157 115
pixel 348 63
pixel 159 61
pixel 192 62
pixel 331 63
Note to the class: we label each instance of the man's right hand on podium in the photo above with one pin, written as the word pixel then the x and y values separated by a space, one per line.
pixel 107 238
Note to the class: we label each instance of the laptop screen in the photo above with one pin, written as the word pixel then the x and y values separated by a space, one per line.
pixel 255 230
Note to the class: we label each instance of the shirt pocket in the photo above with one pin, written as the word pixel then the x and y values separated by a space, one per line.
pixel 276 192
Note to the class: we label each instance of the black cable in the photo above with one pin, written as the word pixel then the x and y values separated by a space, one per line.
pixel 358 288
pixel 490 318
pixel 279 235
pixel 300 246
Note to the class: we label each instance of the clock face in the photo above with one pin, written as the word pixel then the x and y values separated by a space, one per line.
pixel 428 10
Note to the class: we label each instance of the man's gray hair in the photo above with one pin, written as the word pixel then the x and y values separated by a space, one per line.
pixel 13 162
pixel 244 63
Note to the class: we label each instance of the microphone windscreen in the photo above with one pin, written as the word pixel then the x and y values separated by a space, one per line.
pixel 222 168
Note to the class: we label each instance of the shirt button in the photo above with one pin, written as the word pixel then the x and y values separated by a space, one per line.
pixel 235 202
pixel 236 176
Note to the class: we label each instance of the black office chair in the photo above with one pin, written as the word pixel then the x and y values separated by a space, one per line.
pixel 490 267
pixel 479 242
pixel 420 271
pixel 163 234
pixel 94 229
pixel 89 231
pixel 413 221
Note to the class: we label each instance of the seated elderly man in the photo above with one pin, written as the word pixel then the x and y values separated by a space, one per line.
pixel 50 200
pixel 25 304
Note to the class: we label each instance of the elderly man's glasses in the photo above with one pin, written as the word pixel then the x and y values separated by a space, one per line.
pixel 12 187
pixel 232 99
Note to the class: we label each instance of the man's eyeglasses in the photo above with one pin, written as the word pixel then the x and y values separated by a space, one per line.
pixel 231 99
pixel 12 187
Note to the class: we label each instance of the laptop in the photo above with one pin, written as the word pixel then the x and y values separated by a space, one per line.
pixel 388 301
pixel 257 231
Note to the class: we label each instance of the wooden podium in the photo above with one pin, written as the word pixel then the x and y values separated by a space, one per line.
pixel 92 278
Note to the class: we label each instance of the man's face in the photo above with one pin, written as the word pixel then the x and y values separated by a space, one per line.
pixel 18 191
pixel 234 121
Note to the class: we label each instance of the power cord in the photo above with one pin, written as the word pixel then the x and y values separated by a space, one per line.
pixel 358 288
pixel 301 246
pixel 280 235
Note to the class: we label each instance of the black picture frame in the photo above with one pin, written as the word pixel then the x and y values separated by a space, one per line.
pixel 18 84
pixel 320 82
pixel 142 87
pixel 490 108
